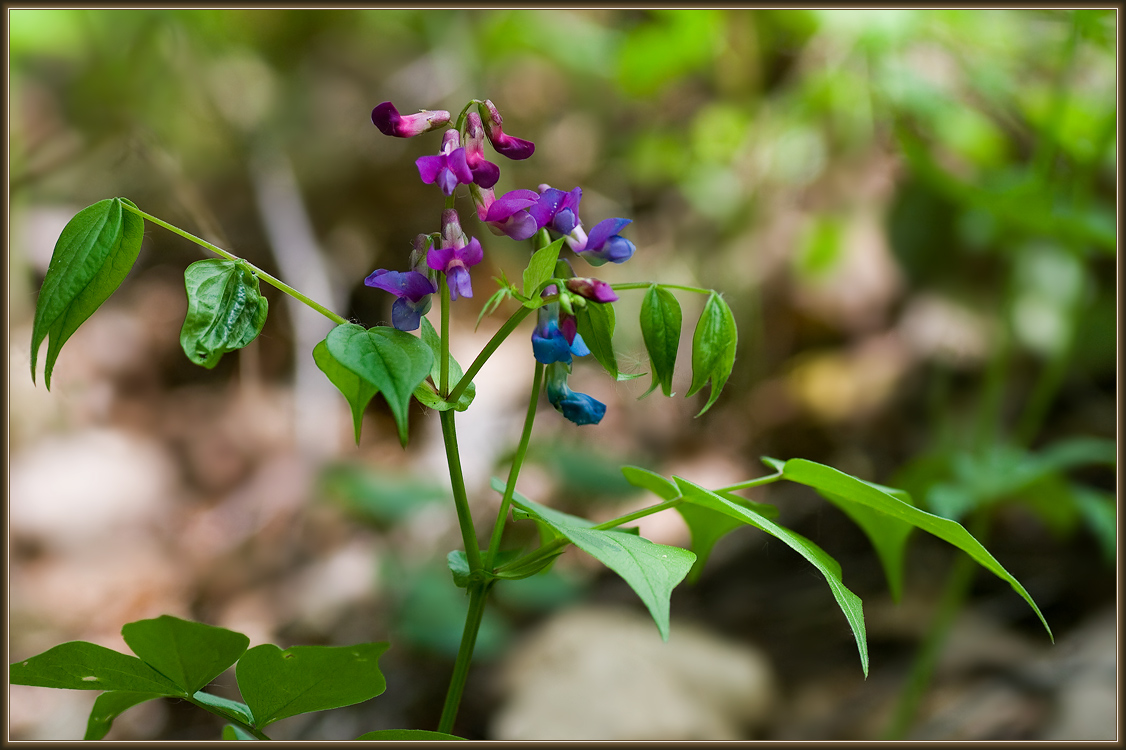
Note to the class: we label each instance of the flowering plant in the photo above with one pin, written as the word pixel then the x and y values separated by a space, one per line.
pixel 575 318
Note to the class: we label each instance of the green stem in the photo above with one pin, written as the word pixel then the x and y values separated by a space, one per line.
pixel 457 480
pixel 954 595
pixel 211 709
pixel 477 596
pixel 508 327
pixel 552 547
pixel 751 483
pixel 517 463
pixel 647 284
pixel 444 379
pixel 277 283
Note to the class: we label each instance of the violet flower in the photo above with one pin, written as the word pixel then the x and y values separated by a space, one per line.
pixel 506 145
pixel 507 215
pixel 604 243
pixel 556 210
pixel 455 256
pixel 390 122
pixel 592 289
pixel 413 290
pixel 577 407
pixel 449 168
pixel 485 173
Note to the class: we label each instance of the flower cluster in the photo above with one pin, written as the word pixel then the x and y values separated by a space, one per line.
pixel 517 214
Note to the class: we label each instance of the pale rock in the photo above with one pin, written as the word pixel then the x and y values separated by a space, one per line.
pixel 596 673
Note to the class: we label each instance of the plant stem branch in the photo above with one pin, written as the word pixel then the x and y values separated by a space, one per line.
pixel 457 480
pixel 274 282
pixel 444 365
pixel 477 594
pixel 508 327
pixel 647 284
pixel 517 463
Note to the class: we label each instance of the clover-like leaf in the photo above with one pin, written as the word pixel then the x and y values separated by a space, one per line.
pixel 226 309
pixel 713 349
pixel 78 665
pixel 277 683
pixel 392 361
pixel 191 654
pixel 93 255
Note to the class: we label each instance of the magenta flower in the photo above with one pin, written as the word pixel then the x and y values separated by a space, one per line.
pixel 508 215
pixel 455 256
pixel 506 145
pixel 413 290
pixel 556 210
pixel 604 243
pixel 449 168
pixel 592 289
pixel 390 122
pixel 485 173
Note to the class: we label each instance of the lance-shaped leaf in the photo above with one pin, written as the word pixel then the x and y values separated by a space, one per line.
pixel 540 268
pixel 232 733
pixel 357 391
pixel 91 258
pixel 407 735
pixel 226 707
pixel 706 526
pixel 713 349
pixel 108 706
pixel 425 392
pixel 660 329
pixel 392 361
pixel 79 665
pixel 652 570
pixel 191 654
pixel 849 602
pixel 595 322
pixel 277 684
pixel 851 490
pixel 226 309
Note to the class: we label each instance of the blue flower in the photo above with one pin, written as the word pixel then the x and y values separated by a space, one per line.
pixel 604 243
pixel 577 407
pixel 555 338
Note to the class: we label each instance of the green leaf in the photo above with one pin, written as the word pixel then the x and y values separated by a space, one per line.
pixel 648 480
pixel 541 268
pixel 492 303
pixel 226 310
pixel 596 325
pixel 357 391
pixel 392 361
pixel 425 392
pixel 277 684
pixel 91 258
pixel 652 570
pixel 232 733
pixel 660 329
pixel 225 707
pixel 79 665
pixel 191 654
pixel 458 564
pixel 849 602
pixel 713 349
pixel 108 706
pixel 406 735
pixel 852 490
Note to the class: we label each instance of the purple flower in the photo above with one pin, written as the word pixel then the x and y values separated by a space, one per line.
pixel 485 173
pixel 557 210
pixel 413 290
pixel 506 145
pixel 390 122
pixel 604 243
pixel 592 289
pixel 455 256
pixel 508 215
pixel 577 407
pixel 449 168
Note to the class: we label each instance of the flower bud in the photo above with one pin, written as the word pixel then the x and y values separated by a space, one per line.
pixel 390 122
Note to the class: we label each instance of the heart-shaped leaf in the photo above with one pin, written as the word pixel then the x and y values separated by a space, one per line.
pixel 108 706
pixel 93 255
pixel 660 329
pixel 713 349
pixel 226 309
pixel 191 654
pixel 79 665
pixel 276 684
pixel 392 361
pixel 357 391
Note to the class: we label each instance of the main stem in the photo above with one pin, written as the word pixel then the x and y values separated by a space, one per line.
pixel 478 591
pixel 272 281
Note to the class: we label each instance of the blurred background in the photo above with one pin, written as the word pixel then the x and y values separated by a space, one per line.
pixel 910 212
